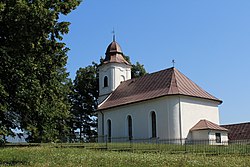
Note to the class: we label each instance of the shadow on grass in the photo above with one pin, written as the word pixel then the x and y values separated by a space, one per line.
pixel 13 163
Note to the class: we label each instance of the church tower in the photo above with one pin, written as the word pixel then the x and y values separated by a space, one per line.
pixel 113 70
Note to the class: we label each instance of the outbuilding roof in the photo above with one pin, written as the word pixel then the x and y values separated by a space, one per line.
pixel 207 125
pixel 162 83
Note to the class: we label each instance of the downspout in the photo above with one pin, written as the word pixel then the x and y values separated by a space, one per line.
pixel 180 118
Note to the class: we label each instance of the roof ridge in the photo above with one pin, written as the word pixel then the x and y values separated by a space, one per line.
pixel 191 81
pixel 159 71
pixel 206 123
pixel 146 75
pixel 232 124
pixel 172 81
pixel 176 81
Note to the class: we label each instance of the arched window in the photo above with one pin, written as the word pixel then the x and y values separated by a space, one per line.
pixel 109 130
pixel 130 133
pixel 122 78
pixel 105 81
pixel 153 124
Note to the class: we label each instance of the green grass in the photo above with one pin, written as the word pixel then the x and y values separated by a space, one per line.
pixel 173 148
pixel 52 156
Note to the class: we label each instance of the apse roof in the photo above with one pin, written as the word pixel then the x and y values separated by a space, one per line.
pixel 207 125
pixel 162 83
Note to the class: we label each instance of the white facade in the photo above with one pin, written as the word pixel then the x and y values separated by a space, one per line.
pixel 115 74
pixel 210 135
pixel 195 109
pixel 175 116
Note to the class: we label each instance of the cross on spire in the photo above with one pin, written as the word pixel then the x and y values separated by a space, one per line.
pixel 113 32
pixel 173 61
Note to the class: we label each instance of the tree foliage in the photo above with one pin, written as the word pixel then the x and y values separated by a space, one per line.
pixel 137 69
pixel 33 78
pixel 84 100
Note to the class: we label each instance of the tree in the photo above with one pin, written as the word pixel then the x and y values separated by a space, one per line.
pixel 84 100
pixel 137 69
pixel 33 78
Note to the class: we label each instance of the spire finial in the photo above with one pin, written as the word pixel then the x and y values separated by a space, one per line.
pixel 113 32
pixel 173 61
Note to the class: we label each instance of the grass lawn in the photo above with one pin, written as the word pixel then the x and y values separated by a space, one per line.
pixel 51 156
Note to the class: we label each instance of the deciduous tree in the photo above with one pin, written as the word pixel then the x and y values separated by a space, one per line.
pixel 137 69
pixel 33 78
pixel 84 101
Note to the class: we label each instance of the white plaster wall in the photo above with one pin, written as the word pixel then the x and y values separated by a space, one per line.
pixel 195 109
pixel 104 70
pixel 224 135
pixel 200 135
pixel 122 73
pixel 210 135
pixel 116 73
pixel 168 111
pixel 167 119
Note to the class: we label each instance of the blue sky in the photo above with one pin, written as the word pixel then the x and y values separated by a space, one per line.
pixel 209 40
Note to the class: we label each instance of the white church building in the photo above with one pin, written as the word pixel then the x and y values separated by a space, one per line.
pixel 163 105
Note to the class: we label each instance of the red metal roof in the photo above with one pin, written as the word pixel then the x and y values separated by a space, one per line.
pixel 163 83
pixel 207 125
pixel 239 131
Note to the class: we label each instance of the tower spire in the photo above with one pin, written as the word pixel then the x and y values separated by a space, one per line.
pixel 113 32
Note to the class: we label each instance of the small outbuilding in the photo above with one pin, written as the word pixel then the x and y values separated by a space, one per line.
pixel 206 131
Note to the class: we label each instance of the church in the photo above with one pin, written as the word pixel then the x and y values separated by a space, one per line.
pixel 163 105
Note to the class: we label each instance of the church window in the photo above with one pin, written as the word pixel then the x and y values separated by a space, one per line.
pixel 109 130
pixel 153 124
pixel 105 81
pixel 122 78
pixel 218 137
pixel 130 134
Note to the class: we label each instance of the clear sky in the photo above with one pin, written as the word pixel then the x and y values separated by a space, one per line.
pixel 209 40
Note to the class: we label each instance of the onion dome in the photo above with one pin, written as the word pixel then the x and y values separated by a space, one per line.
pixel 114 54
pixel 114 47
